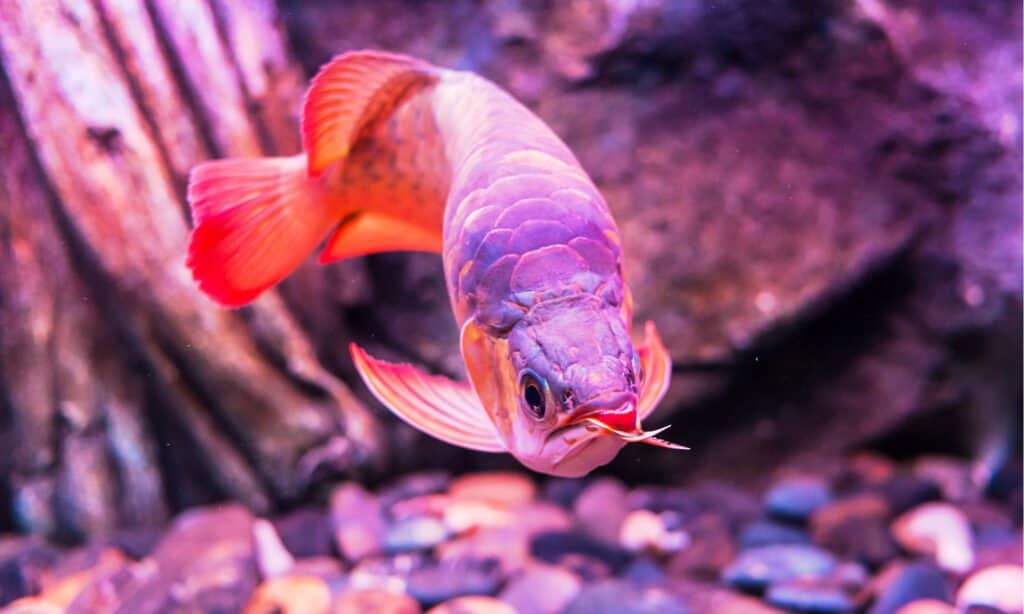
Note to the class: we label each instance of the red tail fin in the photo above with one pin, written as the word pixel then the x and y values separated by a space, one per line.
pixel 255 221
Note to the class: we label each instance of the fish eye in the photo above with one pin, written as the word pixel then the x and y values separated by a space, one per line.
pixel 533 394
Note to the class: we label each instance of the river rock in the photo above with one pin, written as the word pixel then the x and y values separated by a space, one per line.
pixel 795 499
pixel 376 601
pixel 810 596
pixel 938 529
pixel 290 595
pixel 542 589
pixel 999 586
pixel 757 568
pixel 618 597
pixel 501 488
pixel 357 521
pixel 903 584
pixel 601 508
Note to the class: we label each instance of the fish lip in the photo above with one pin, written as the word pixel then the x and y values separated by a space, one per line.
pixel 587 433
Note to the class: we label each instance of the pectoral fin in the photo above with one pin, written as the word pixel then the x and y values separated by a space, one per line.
pixel 657 368
pixel 434 404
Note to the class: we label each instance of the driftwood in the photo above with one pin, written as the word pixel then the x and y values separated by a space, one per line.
pixel 126 392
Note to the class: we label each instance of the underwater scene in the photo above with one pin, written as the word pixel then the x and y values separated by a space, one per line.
pixel 511 306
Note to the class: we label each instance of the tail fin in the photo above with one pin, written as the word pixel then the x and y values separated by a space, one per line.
pixel 255 221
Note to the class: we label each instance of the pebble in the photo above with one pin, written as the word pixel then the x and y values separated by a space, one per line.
pixel 510 546
pixel 503 488
pixel 376 601
pixel 538 517
pixel 601 508
pixel 856 528
pixel 543 589
pixel 904 491
pixel 927 606
pixel 644 530
pixel 585 555
pixel 305 532
pixel 473 604
pixel 940 530
pixel 999 586
pixel 710 549
pixel 902 584
pixel 290 595
pixel 415 533
pixel 766 533
pixel 563 491
pixel 384 573
pixel 272 558
pixel 757 568
pixel 953 476
pixel 440 581
pixel 420 505
pixel 713 598
pixel 467 515
pixel 795 499
pixel 866 469
pixel 643 571
pixel 619 597
pixel 804 596
pixel 414 485
pixel 356 521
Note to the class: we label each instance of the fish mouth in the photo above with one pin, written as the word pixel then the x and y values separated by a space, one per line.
pixel 621 421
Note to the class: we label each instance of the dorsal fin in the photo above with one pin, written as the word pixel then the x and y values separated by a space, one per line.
pixel 349 93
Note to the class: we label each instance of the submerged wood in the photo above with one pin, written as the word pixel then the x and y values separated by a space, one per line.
pixel 126 392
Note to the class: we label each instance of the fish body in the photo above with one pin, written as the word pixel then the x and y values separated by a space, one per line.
pixel 403 155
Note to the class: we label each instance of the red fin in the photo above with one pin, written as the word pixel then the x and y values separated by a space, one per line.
pixel 370 233
pixel 255 221
pixel 657 369
pixel 434 404
pixel 350 92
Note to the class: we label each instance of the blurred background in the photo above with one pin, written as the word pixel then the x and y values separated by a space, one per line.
pixel 820 204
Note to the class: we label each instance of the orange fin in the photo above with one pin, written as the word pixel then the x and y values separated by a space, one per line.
pixel 369 233
pixel 657 369
pixel 349 93
pixel 255 221
pixel 434 404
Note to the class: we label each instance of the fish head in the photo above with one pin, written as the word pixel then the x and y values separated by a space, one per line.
pixel 561 385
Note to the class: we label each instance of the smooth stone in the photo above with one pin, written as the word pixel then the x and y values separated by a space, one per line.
pixel 850 575
pixel 385 573
pixel 903 584
pixel 563 491
pixel 766 533
pixel 205 562
pixel 940 530
pixel 272 558
pixel 436 582
pixel 306 532
pixel 420 505
pixel 414 485
pixel 543 589
pixel 643 571
pixel 473 604
pixel 817 597
pixel 904 491
pixel 867 469
pixel 711 548
pixel 619 597
pixel 795 499
pixel 505 488
pixel 109 591
pixel 856 528
pixel 601 508
pixel 538 517
pixel 757 568
pixel 927 606
pixel 509 545
pixel 578 551
pixel 326 568
pixel 953 475
pixel 415 533
pixel 357 522
pixel 999 586
pixel 644 530
pixel 715 599
pixel 467 515
pixel 376 601
pixel 290 595
pixel 25 563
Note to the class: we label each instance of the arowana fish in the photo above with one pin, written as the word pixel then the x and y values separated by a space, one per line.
pixel 403 155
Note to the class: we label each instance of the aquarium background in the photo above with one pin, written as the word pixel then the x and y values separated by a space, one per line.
pixel 821 211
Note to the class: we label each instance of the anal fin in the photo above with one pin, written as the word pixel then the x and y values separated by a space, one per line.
pixel 369 232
